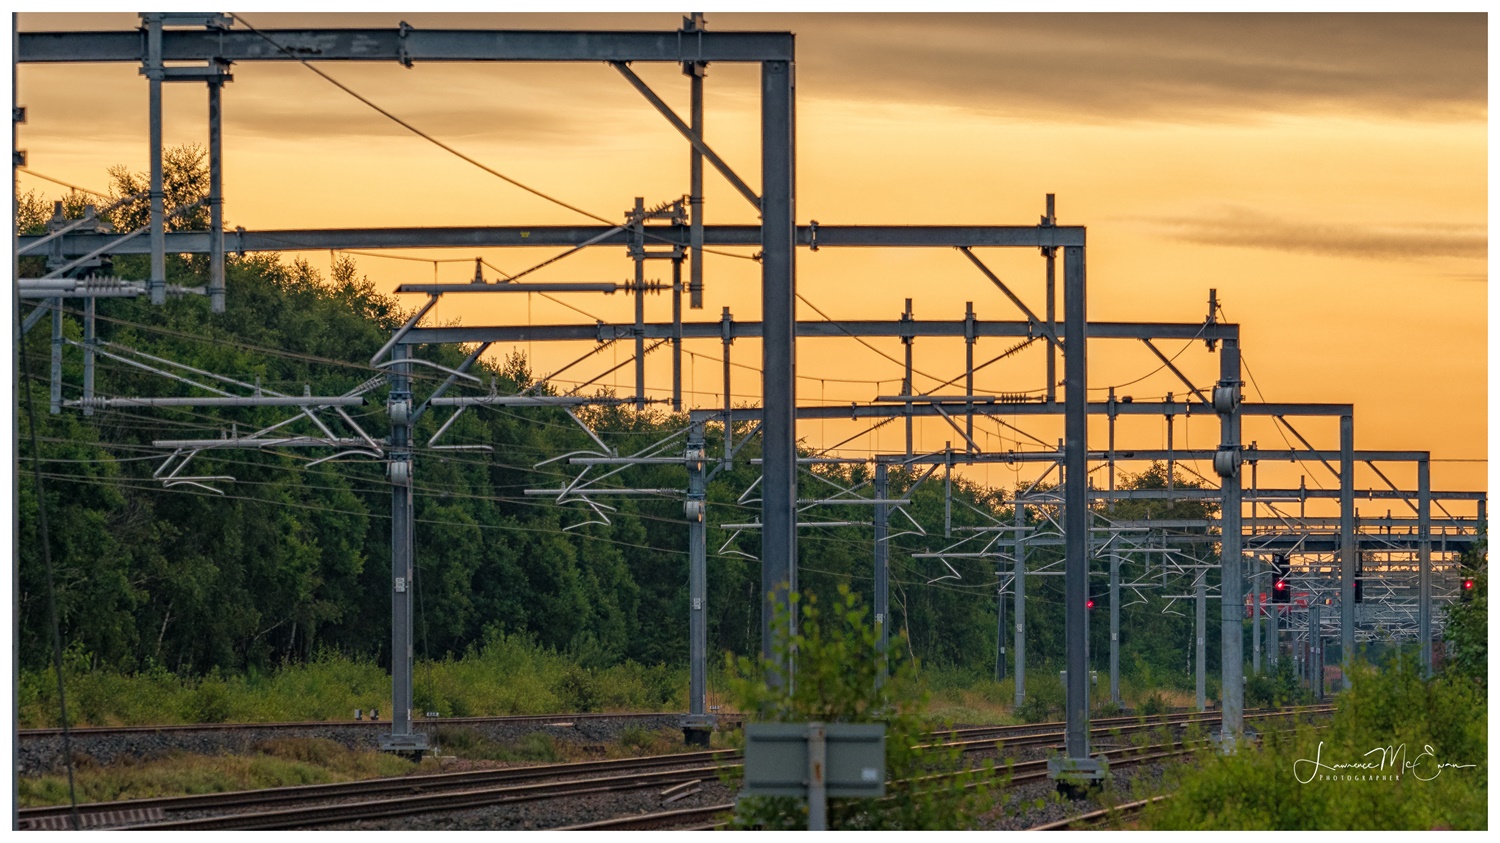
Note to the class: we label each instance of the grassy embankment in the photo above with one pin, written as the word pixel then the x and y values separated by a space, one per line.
pixel 1438 722
pixel 507 676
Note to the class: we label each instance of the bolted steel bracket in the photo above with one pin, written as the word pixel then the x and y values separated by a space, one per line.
pixel 402 30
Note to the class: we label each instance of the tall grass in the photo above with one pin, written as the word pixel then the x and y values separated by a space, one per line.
pixel 1278 786
pixel 508 675
pixel 277 763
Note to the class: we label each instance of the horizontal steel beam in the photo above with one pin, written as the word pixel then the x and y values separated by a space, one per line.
pixel 410 45
pixel 554 236
pixel 287 442
pixel 1273 495
pixel 754 330
pixel 1037 408
pixel 502 287
pixel 1302 543
pixel 531 401
pixel 586 491
pixel 231 401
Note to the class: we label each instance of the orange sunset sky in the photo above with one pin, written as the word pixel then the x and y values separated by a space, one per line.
pixel 1326 173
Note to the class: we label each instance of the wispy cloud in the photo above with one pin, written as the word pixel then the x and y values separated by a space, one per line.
pixel 1252 229
pixel 1154 67
pixel 1078 68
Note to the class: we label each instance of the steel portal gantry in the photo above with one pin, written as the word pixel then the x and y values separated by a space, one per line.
pixel 778 237
pixel 692 47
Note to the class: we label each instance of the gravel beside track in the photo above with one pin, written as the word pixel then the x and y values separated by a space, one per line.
pixel 549 814
pixel 1021 810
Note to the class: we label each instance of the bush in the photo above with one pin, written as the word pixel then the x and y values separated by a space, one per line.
pixel 837 662
pixel 1154 704
pixel 209 703
pixel 1275 689
pixel 1045 698
pixel 508 675
pixel 636 739
pixel 578 690
pixel 1421 723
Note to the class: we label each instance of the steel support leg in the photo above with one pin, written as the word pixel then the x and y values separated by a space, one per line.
pixel 907 387
pixel 401 738
pixel 698 725
pixel 1114 628
pixel 779 372
pixel 157 283
pixel 1076 762
pixel 1000 633
pixel 1255 610
pixel 639 331
pixel 1424 563
pixel 1231 584
pixel 969 337
pixel 1050 253
pixel 676 335
pixel 1348 545
pixel 1273 637
pixel 728 339
pixel 215 199
pixel 1315 651
pixel 695 72
pixel 1020 603
pixel 882 566
pixel 90 339
pixel 57 349
pixel 1256 579
pixel 1200 627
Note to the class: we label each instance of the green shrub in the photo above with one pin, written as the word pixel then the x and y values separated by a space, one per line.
pixel 1154 704
pixel 508 675
pixel 1045 698
pixel 209 703
pixel 1274 689
pixel 636 739
pixel 1392 709
pixel 837 681
pixel 578 689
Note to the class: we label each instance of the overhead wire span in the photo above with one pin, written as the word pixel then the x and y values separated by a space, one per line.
pixel 35 174
pixel 440 144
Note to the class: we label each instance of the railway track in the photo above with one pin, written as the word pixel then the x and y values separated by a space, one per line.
pixel 314 805
pixel 712 816
pixel 423 785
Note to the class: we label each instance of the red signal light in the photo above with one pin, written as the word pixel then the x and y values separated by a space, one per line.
pixel 1280 585
pixel 1089 604
pixel 1468 585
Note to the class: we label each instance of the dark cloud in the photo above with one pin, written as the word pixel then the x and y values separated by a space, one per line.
pixel 1247 228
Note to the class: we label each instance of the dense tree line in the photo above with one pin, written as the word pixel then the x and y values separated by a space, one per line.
pixel 293 558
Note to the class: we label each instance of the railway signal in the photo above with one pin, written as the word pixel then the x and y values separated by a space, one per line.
pixel 1281 570
pixel 1467 592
